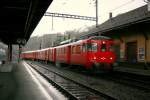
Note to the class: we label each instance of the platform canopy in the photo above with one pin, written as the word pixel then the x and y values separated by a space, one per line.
pixel 18 19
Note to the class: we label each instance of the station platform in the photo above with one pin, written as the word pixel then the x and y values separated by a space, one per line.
pixel 19 82
pixel 132 70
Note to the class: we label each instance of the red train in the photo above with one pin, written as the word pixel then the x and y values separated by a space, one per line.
pixel 92 53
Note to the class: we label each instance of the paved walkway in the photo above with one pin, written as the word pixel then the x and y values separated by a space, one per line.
pixel 17 82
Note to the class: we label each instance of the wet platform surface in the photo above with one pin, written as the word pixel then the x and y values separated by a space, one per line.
pixel 7 89
pixel 17 82
pixel 7 82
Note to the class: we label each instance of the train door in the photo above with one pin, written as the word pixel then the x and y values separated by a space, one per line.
pixel 68 53
pixel 48 54
pixel 83 54
pixel 54 54
pixel 131 52
pixel 76 54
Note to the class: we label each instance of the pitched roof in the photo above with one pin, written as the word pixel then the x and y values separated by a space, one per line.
pixel 133 17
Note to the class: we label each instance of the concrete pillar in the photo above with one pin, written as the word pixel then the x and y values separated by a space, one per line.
pixel 146 51
pixel 9 53
pixel 20 50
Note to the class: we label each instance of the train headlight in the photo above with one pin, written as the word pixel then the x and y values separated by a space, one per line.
pixel 111 58
pixel 94 58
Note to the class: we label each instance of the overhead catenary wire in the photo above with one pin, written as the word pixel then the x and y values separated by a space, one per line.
pixel 122 5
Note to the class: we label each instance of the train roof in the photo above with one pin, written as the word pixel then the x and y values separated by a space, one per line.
pixel 89 39
pixel 29 51
pixel 71 42
pixel 37 50
pixel 99 38
pixel 84 40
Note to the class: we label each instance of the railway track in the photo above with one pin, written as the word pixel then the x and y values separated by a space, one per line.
pixel 127 79
pixel 132 80
pixel 72 89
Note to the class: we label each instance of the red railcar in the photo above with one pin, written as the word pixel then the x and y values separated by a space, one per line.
pixel 41 54
pixel 63 54
pixel 50 54
pixel 29 55
pixel 93 53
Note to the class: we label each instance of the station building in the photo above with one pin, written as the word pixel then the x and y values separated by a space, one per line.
pixel 131 31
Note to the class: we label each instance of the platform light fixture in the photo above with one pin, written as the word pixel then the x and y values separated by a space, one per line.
pixel 21 41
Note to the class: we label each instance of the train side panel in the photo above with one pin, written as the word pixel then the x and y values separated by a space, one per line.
pixel 63 54
pixel 79 55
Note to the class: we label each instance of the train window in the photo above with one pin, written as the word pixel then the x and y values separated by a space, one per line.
pixel 78 49
pixel 61 50
pixel 103 47
pixel 58 51
pixel 83 48
pixel 50 52
pixel 73 50
pixel 89 47
pixel 64 50
pixel 94 47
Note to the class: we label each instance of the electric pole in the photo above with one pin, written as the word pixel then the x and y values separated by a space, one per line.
pixel 96 6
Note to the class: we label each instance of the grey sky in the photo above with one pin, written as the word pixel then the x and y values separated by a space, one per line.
pixel 85 8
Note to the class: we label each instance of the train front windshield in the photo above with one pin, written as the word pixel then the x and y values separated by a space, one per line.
pixel 107 47
pixel 92 47
pixel 103 47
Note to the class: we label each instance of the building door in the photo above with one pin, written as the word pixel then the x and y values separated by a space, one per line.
pixel 117 51
pixel 131 52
